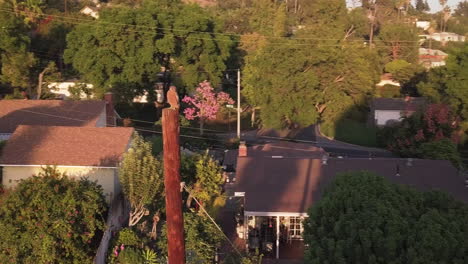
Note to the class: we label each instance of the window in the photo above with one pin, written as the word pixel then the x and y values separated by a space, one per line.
pixel 295 227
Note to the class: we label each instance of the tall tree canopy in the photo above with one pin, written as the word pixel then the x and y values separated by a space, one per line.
pixel 127 47
pixel 306 78
pixel 50 218
pixel 362 218
pixel 16 62
pixel 314 84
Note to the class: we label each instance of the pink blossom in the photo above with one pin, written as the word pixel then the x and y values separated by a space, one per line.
pixel 205 103
pixel 122 247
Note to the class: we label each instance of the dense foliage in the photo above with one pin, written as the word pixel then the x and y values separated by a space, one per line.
pixel 362 218
pixel 448 84
pixel 130 46
pixel 201 238
pixel 51 218
pixel 410 138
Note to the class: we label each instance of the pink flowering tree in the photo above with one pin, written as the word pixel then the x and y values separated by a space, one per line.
pixel 205 103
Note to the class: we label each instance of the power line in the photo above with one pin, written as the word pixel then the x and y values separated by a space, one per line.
pixel 212 220
pixel 95 23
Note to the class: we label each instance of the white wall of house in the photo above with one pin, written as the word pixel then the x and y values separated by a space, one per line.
pixel 383 116
pixel 106 177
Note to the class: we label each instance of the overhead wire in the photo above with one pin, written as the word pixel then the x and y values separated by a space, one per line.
pixel 92 22
pixel 212 220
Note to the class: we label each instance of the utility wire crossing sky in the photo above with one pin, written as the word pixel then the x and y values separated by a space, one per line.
pixel 434 4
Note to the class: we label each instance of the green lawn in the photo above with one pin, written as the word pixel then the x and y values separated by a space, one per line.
pixel 357 133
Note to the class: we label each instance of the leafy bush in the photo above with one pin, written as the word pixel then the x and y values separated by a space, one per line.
pixel 51 218
pixel 127 237
pixel 130 256
pixel 363 218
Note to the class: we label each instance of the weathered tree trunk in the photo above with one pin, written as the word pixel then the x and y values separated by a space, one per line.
pixel 39 84
pixel 136 214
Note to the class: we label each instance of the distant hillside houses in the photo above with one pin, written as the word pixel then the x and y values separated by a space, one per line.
pixel 444 37
pixel 431 58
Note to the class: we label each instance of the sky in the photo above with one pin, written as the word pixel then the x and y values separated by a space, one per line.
pixel 434 4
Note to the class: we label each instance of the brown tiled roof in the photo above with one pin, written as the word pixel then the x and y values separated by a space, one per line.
pixel 294 184
pixel 412 104
pixel 48 113
pixel 67 146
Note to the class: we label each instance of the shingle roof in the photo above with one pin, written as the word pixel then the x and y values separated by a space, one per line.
pixel 48 113
pixel 67 146
pixel 294 184
pixel 412 104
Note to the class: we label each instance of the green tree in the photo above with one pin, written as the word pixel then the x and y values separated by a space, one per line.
pixel 141 179
pixel 127 47
pixel 402 71
pixel 51 218
pixel 323 82
pixel 399 41
pixel 204 176
pixel 362 218
pixel 443 149
pixel 16 62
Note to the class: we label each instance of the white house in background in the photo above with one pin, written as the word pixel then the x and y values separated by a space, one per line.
pixel 446 36
pixel 386 79
pixel 385 111
pixel 62 89
pixel 425 25
pixel 92 152
pixel 89 113
pixel 431 58
pixel 90 11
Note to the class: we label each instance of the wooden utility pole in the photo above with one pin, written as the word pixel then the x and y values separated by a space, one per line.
pixel 238 103
pixel 175 221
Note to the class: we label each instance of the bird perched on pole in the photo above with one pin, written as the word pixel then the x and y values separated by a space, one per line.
pixel 173 98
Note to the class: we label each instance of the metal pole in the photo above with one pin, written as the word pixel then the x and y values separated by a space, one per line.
pixel 174 218
pixel 238 103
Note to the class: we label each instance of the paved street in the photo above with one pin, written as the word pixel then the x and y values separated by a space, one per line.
pixel 312 135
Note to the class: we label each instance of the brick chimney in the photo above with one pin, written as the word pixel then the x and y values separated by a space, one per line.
pixel 242 149
pixel 110 112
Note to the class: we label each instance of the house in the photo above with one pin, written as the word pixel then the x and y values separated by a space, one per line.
pixel 55 113
pixel 90 11
pixel 446 36
pixel 63 89
pixel 385 111
pixel 425 25
pixel 276 186
pixel 431 58
pixel 92 152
